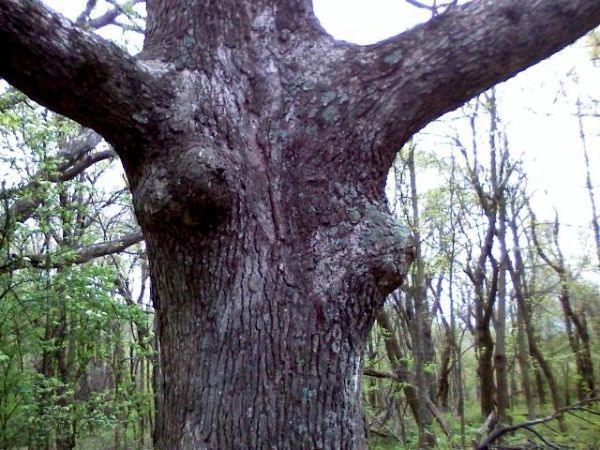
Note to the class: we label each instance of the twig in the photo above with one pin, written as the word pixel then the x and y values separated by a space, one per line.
pixel 541 438
pixel 485 445
pixel 595 424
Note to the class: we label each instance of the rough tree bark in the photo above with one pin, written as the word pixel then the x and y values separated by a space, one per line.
pixel 256 148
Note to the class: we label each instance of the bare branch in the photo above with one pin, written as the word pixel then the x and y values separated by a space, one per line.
pixel 82 164
pixel 374 373
pixel 85 14
pixel 108 18
pixel 69 257
pixel 552 264
pixel 420 5
pixel 75 157
pixel 499 432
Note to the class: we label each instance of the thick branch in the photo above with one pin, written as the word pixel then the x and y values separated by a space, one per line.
pixel 74 72
pixel 85 15
pixel 437 66
pixel 70 257
pixel 370 372
pixel 221 23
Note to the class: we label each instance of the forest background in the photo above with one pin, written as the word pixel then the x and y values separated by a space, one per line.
pixel 497 326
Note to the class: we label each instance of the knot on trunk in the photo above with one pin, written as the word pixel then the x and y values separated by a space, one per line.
pixel 385 247
pixel 362 258
pixel 188 189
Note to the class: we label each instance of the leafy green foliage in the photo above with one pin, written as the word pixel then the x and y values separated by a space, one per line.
pixel 71 347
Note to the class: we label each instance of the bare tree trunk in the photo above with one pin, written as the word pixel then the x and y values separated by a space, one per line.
pixel 539 384
pixel 500 173
pixel 456 347
pixel 485 367
pixel 319 370
pixel 422 344
pixel 445 370
pixel 523 361
pixel 118 371
pixel 446 367
pixel 485 285
pixel 517 276
pixel 500 360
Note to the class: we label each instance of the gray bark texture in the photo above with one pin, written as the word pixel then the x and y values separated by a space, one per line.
pixel 256 149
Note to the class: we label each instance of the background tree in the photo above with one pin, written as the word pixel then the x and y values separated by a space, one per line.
pixel 62 334
pixel 575 322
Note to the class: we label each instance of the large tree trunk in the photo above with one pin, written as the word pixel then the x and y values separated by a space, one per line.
pixel 263 309
pixel 269 257
pixel 246 360
pixel 256 149
pixel 261 332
